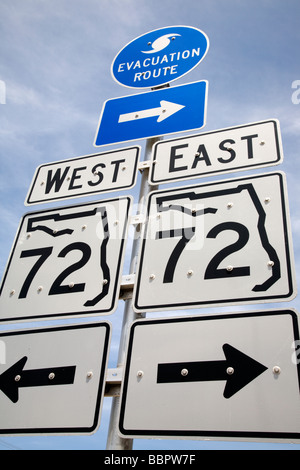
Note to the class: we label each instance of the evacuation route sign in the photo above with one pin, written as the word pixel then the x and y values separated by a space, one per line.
pixel 159 57
pixel 231 376
pixel 52 380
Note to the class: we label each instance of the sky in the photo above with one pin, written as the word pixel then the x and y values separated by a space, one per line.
pixel 55 59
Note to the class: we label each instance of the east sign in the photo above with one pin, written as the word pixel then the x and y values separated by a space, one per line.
pixel 159 57
pixel 237 148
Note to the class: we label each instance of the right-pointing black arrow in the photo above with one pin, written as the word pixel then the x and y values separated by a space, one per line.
pixel 238 370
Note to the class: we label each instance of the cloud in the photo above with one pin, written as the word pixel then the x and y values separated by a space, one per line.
pixel 20 94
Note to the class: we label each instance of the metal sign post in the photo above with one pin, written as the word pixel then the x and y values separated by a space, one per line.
pixel 114 441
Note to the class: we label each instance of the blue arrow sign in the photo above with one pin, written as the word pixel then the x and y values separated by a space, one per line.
pixel 160 56
pixel 151 114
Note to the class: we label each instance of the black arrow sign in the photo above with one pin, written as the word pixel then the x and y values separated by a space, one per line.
pixel 15 377
pixel 238 370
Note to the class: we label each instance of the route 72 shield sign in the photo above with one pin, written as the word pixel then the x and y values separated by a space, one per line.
pixel 216 244
pixel 66 261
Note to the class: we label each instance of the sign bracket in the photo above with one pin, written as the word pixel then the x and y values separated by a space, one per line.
pixel 126 289
pixel 113 382
pixel 143 165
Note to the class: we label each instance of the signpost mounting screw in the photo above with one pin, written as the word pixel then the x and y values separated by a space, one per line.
pixel 17 378
pixel 184 372
pixel 262 142
pixel 229 268
pixel 140 374
pixel 51 376
pixel 104 282
pixel 89 375
pixel 267 199
pixel 152 277
pixel 12 292
pixel 276 370
pixel 271 263
pixel 230 370
pixel 229 205
pixel 190 272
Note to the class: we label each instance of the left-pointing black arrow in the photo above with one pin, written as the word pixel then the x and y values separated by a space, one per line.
pixel 15 377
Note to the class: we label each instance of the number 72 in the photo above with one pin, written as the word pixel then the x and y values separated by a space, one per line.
pixel 212 270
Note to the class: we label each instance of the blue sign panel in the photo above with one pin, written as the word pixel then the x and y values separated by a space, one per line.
pixel 159 57
pixel 159 112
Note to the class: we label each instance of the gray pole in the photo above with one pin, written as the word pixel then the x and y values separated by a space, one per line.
pixel 114 441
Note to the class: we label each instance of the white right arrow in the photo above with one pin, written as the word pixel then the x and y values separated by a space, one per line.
pixel 165 110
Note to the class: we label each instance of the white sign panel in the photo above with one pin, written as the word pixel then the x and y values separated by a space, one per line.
pixel 66 261
pixel 78 177
pixel 215 244
pixel 227 150
pixel 233 376
pixel 53 379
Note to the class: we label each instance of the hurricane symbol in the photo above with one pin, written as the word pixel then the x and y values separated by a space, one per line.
pixel 160 43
